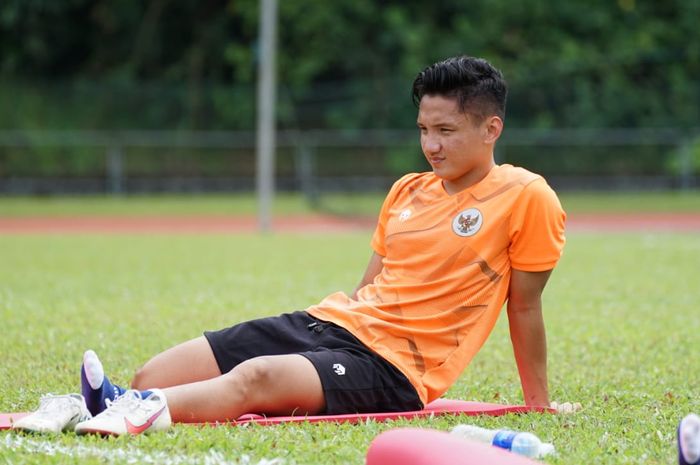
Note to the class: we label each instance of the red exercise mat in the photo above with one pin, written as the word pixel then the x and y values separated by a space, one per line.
pixel 414 446
pixel 6 419
pixel 435 408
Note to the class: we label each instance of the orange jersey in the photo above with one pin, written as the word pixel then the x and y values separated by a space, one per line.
pixel 446 270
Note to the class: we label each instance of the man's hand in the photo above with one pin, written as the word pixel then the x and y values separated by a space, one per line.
pixel 566 407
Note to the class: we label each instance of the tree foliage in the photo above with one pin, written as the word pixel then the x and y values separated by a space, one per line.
pixel 342 64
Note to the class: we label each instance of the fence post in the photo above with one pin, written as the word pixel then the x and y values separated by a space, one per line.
pixel 115 169
pixel 685 163
pixel 305 161
pixel 266 108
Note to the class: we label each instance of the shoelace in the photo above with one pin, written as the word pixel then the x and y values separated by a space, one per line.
pixel 128 402
pixel 49 404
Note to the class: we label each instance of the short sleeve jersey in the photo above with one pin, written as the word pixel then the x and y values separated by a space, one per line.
pixel 447 262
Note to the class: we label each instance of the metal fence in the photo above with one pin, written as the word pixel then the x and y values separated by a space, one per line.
pixel 319 161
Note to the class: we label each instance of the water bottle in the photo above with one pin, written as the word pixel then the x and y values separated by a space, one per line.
pixel 521 443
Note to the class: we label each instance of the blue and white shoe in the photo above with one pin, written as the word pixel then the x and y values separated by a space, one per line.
pixel 55 414
pixel 689 440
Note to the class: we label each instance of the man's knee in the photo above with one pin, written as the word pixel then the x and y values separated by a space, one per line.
pixel 252 377
pixel 142 378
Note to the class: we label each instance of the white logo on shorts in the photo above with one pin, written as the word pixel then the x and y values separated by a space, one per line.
pixel 339 369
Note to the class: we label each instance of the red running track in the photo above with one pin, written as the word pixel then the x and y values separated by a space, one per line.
pixel 211 224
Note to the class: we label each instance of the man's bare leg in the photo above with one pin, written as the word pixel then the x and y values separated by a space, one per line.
pixel 185 363
pixel 274 385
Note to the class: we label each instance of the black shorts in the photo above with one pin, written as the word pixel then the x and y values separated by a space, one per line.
pixel 354 379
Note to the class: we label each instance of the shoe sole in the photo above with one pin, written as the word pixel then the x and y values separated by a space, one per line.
pixel 29 430
pixel 98 432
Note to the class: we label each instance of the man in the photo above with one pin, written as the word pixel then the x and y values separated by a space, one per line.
pixel 451 246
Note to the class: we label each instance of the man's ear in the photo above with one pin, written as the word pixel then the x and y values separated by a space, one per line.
pixel 492 127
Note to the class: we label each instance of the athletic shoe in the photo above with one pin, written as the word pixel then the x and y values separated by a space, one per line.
pixel 130 414
pixel 689 440
pixel 55 414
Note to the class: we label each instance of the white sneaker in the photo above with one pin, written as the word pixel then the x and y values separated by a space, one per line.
pixel 130 414
pixel 55 414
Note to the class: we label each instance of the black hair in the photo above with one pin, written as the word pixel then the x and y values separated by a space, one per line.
pixel 478 87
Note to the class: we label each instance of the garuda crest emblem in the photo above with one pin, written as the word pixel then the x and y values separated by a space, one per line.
pixel 467 223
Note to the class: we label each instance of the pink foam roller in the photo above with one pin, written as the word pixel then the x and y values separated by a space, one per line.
pixel 414 446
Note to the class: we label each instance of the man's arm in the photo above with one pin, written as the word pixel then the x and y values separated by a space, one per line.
pixel 374 267
pixel 527 333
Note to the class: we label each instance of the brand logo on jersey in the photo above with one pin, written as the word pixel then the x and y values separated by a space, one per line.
pixel 467 223
pixel 406 214
pixel 339 369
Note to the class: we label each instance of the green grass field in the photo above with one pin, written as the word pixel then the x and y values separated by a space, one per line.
pixel 290 204
pixel 621 313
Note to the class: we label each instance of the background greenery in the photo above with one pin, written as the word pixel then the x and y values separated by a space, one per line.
pixel 621 314
pixel 624 63
pixel 189 65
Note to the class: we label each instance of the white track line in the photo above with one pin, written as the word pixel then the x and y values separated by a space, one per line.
pixel 128 455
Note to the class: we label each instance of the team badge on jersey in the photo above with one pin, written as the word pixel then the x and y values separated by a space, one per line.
pixel 406 214
pixel 467 223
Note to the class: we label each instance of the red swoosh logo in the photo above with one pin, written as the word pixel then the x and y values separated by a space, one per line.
pixel 133 429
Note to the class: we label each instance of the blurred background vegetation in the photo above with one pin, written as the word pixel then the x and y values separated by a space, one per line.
pixel 187 65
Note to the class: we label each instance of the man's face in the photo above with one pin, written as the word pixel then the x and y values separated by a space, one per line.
pixel 459 151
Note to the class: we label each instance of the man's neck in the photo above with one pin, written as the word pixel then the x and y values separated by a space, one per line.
pixel 468 179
